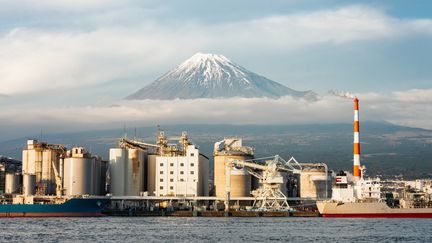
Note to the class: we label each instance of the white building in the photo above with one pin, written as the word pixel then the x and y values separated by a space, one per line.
pixel 180 175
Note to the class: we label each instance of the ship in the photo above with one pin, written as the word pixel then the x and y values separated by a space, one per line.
pixel 360 197
pixel 363 209
pixel 73 207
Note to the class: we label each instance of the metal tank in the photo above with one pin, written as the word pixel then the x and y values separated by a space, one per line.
pixel 117 169
pixel 241 180
pixel 151 174
pixel 96 176
pixel 29 184
pixel 134 172
pixel 47 180
pixel 78 175
pixel 12 183
pixel 314 181
pixel 103 177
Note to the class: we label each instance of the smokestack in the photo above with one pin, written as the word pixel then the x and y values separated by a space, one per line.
pixel 356 169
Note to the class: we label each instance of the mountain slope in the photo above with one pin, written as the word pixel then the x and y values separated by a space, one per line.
pixel 386 149
pixel 214 76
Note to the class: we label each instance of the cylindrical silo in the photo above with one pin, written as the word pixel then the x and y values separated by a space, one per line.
pixel 241 180
pixel 49 156
pixel 12 183
pixel 29 184
pixel 78 178
pixel 96 175
pixel 117 166
pixel 314 181
pixel 134 172
pixel 151 174
pixel 103 177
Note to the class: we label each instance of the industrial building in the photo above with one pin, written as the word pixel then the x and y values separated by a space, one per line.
pixel 51 169
pixel 38 159
pixel 241 179
pixel 183 175
pixel 161 169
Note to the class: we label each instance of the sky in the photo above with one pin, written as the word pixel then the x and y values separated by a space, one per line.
pixel 66 65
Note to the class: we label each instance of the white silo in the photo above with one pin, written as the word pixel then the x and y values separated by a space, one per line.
pixel 241 179
pixel 78 173
pixel 29 184
pixel 134 172
pixel 117 169
pixel 12 183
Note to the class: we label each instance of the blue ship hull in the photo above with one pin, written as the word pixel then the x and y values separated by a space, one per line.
pixel 75 207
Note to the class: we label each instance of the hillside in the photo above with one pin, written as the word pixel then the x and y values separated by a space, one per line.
pixel 386 149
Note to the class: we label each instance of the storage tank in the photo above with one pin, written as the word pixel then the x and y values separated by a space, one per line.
pixel 117 169
pixel 241 180
pixel 78 173
pixel 314 181
pixel 151 174
pixel 29 184
pixel 12 183
pixel 135 172
pixel 49 156
pixel 103 177
pixel 96 176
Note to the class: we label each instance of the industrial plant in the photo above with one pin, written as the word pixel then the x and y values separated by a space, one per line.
pixel 171 176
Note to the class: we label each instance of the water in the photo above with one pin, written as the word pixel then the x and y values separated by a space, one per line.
pixel 199 229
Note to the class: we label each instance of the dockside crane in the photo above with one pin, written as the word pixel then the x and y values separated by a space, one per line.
pixel 268 196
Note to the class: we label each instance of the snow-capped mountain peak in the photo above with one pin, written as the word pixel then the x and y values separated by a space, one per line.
pixel 212 76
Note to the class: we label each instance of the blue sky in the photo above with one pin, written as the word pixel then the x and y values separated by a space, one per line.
pixel 60 55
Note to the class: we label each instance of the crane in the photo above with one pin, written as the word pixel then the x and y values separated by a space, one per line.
pixel 58 181
pixel 268 196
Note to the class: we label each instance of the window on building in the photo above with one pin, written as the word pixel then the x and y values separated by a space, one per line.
pixel 171 180
pixel 192 154
pixel 161 180
pixel 171 164
pixel 181 179
pixel 181 164
pixel 161 164
pixel 181 172
pixel 171 188
pixel 192 164
pixel 161 187
pixel 192 172
pixel 172 172
pixel 161 172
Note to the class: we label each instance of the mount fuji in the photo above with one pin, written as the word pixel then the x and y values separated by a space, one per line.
pixel 214 76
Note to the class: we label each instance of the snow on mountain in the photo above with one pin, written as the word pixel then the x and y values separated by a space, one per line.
pixel 214 76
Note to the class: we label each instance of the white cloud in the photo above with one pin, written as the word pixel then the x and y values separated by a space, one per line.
pixel 395 108
pixel 416 96
pixel 63 5
pixel 34 59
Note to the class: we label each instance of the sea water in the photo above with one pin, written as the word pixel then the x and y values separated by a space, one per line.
pixel 200 229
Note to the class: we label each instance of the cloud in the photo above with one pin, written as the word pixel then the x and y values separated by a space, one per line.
pixel 38 59
pixel 64 5
pixel 394 108
pixel 415 96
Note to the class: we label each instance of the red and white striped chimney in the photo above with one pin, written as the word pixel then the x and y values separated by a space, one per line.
pixel 356 169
